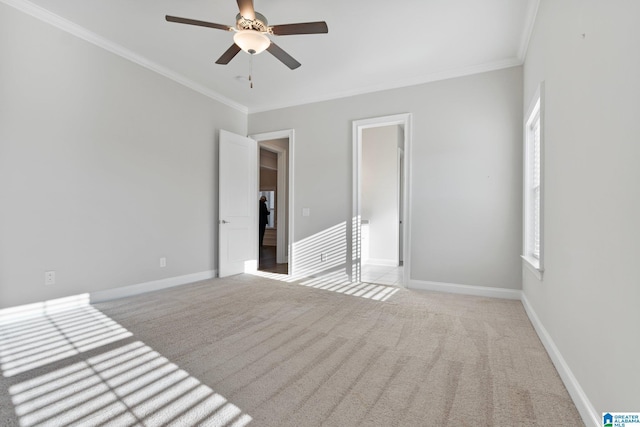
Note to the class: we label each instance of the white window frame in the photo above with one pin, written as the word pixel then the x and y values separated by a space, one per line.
pixel 533 185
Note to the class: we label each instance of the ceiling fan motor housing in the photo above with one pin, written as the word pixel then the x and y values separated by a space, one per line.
pixel 252 33
pixel 258 24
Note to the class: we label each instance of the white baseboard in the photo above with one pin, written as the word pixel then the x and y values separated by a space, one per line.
pixel 21 312
pixel 481 291
pixel 155 285
pixel 588 413
pixel 381 262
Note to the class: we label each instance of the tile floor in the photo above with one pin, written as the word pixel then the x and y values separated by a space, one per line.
pixel 382 275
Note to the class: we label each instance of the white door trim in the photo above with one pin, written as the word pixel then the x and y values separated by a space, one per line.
pixel 262 139
pixel 358 126
pixel 400 201
pixel 281 198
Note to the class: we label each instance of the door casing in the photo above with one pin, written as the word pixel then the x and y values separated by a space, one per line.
pixel 404 120
pixel 262 139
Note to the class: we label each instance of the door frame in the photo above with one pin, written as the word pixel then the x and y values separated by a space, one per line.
pixel 262 139
pixel 404 120
pixel 400 202
pixel 280 198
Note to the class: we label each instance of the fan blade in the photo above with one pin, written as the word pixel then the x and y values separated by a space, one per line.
pixel 246 9
pixel 228 55
pixel 319 27
pixel 283 56
pixel 198 23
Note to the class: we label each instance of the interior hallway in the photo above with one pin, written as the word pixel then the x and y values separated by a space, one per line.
pixel 268 263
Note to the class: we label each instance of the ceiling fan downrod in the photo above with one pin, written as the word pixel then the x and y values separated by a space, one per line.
pixel 251 30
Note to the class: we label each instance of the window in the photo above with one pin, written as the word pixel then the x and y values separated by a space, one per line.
pixel 532 252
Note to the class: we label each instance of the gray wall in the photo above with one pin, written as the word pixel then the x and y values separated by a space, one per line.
pixel 105 167
pixel 588 299
pixel 466 172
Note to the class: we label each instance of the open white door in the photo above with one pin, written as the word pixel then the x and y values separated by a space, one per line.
pixel 237 204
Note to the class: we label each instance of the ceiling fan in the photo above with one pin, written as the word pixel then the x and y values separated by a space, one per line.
pixel 252 31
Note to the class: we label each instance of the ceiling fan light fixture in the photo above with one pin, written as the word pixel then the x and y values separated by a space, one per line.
pixel 251 41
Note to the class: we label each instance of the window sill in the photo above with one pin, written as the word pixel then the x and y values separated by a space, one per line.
pixel 533 265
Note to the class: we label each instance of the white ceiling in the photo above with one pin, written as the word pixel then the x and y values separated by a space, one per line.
pixel 371 45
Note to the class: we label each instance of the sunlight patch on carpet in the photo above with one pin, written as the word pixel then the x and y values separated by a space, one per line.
pixel 128 385
pixel 48 332
pixel 339 282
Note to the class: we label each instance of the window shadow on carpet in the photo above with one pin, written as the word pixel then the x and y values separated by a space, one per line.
pixel 64 362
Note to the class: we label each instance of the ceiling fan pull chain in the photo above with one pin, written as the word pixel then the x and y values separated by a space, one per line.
pixel 250 71
pixel 251 30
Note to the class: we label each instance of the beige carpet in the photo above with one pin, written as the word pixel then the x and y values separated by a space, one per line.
pixel 253 351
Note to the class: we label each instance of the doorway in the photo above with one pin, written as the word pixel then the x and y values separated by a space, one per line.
pixel 381 237
pixel 275 184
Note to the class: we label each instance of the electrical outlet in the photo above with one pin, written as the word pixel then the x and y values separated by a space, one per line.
pixel 49 277
pixel 163 262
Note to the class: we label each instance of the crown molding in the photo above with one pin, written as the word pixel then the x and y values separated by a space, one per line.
pixel 410 81
pixel 93 38
pixel 530 20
